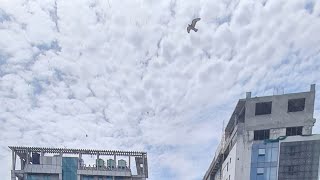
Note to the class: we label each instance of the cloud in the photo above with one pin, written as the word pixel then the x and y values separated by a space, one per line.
pixel 129 76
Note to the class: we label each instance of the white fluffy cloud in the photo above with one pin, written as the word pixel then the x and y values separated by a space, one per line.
pixel 129 75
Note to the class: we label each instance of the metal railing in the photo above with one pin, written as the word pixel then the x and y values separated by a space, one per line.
pixel 104 168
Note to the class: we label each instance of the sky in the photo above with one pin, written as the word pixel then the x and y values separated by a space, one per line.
pixel 127 74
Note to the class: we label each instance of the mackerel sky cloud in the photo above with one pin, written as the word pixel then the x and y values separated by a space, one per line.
pixel 127 73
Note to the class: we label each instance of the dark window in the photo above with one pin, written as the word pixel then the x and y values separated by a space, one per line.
pixel 35 158
pixel 295 105
pixel 293 131
pixel 263 108
pixel 227 167
pixel 261 134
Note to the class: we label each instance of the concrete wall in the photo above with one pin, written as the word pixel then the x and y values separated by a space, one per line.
pixel 229 165
pixel 51 160
pixel 42 176
pixel 279 116
pixel 43 168
pixel 243 157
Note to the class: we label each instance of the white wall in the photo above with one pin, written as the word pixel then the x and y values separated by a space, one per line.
pixel 229 165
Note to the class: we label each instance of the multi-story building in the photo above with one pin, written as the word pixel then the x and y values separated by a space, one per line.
pixel 269 138
pixel 68 164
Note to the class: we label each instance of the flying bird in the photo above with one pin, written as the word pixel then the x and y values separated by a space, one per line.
pixel 193 24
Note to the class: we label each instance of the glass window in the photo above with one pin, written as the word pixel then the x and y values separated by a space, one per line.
pixel 261 134
pixel 262 152
pixel 294 131
pixel 263 108
pixel 260 171
pixel 295 105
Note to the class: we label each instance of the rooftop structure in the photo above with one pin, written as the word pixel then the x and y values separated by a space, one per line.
pixel 60 164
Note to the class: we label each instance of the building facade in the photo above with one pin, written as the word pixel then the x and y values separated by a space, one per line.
pixel 269 138
pixel 68 164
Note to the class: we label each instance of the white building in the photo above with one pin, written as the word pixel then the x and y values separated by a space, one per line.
pixel 269 138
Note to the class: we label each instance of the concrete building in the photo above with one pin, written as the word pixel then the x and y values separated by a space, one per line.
pixel 269 138
pixel 68 164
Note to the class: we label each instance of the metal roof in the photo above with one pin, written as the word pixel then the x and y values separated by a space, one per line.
pixel 20 149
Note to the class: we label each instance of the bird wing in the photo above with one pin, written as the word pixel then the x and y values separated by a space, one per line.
pixel 188 29
pixel 195 21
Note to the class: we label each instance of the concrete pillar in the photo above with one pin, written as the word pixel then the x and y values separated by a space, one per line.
pixel 80 159
pixel 13 175
pixel 60 176
pixel 115 163
pixel 27 156
pixel 248 95
pixel 313 88
pixel 129 162
pixel 21 163
pixel 143 171
pixel 97 161
pixel 115 160
pixel 14 160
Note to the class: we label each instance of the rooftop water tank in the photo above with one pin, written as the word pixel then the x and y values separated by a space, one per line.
pixel 111 163
pixel 100 163
pixel 122 164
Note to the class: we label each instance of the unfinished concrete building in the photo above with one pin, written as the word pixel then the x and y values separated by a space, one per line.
pixel 269 138
pixel 68 164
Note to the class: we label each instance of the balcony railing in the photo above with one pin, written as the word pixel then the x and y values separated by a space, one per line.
pixel 105 168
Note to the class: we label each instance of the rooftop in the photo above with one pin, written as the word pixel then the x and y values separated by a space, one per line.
pixel 20 149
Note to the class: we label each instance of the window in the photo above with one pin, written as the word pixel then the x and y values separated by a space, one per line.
pixel 227 167
pixel 263 108
pixel 295 105
pixel 260 171
pixel 261 152
pixel 261 134
pixel 294 131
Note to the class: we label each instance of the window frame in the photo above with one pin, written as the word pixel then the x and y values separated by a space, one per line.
pixel 260 173
pixel 293 108
pixel 261 152
pixel 263 134
pixel 294 131
pixel 259 106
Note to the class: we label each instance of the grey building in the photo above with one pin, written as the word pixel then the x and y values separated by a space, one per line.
pixel 269 138
pixel 68 164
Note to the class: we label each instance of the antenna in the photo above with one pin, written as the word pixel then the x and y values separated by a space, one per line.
pixel 222 131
